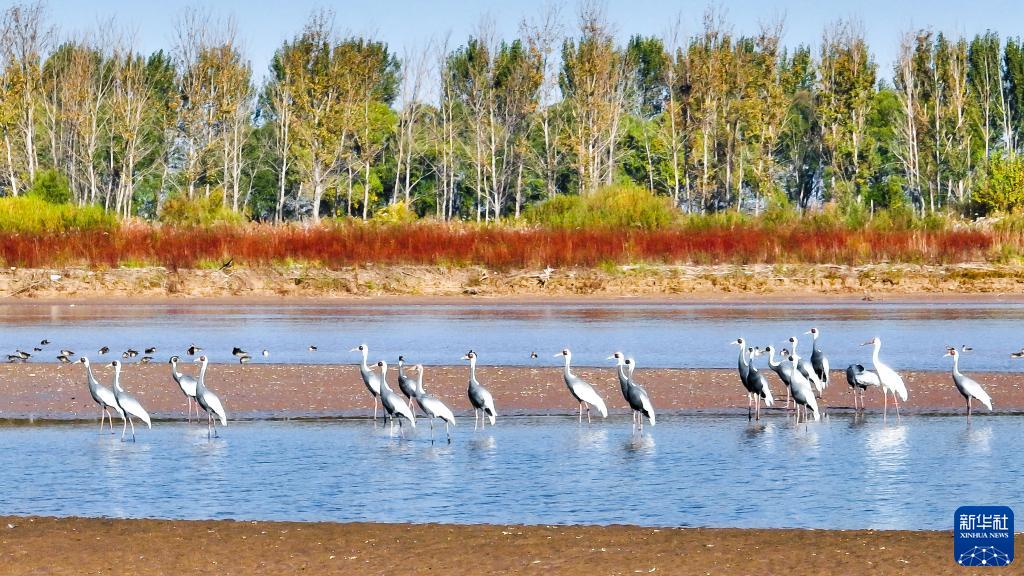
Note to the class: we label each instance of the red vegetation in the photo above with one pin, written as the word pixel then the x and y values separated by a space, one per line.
pixel 496 247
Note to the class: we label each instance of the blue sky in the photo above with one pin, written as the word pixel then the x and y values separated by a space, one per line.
pixel 263 24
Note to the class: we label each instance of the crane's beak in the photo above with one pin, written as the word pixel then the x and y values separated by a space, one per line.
pixel 557 355
pixel 354 350
pixel 466 358
pixel 808 332
pixel 111 365
pixel 734 343
pixel 868 343
pixel 612 357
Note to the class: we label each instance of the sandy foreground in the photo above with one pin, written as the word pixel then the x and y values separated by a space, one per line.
pixel 712 281
pixel 156 547
pixel 59 392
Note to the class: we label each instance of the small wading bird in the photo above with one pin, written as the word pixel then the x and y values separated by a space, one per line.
pixel 44 342
pixel 102 396
pixel 209 401
pixel 861 379
pixel 104 350
pixel 967 387
pixel 582 391
pixel 479 397
pixel 129 405
pixel 818 359
pixel 145 360
pixel 63 359
pixel 151 350
pixel 432 407
pixel 238 352
pixel 393 404
pixel 67 352
pixel 890 381
pixel 370 378
pixel 187 384
pixel 193 350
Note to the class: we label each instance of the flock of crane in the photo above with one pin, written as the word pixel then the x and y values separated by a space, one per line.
pixel 805 380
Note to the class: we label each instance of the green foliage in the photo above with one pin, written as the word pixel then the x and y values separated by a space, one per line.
pixel 201 211
pixel 1001 189
pixel 51 186
pixel 398 213
pixel 620 206
pixel 34 215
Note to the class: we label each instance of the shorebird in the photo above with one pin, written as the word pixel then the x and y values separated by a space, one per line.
pixel 193 350
pixel 209 401
pixel 967 387
pixel 151 350
pixel 63 359
pixel 819 362
pixel 432 407
pixel 145 360
pixel 392 402
pixel 583 392
pixel 102 396
pixel 479 397
pixel 130 353
pixel 129 405
pixel 370 378
pixel 312 348
pixel 188 386
pixel 860 378
pixel 67 352
pixel 888 378
pixel 44 342
pixel 238 352
pixel 104 350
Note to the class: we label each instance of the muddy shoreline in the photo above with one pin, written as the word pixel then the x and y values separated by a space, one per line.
pixel 710 282
pixel 282 391
pixel 157 547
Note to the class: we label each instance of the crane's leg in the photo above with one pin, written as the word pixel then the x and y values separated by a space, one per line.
pixel 375 410
pixel 588 412
pixel 401 429
pixel 124 427
pixel 133 428
pixel 102 412
pixel 885 403
pixel 581 412
pixel 476 416
pixel 748 406
pixel 447 433
pixel 896 401
pixel 431 430
pixel 787 397
pixel 968 407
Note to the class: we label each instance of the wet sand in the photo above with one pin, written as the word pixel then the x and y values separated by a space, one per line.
pixel 59 392
pixel 157 547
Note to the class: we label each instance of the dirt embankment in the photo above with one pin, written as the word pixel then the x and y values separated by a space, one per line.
pixel 157 547
pixel 54 391
pixel 703 281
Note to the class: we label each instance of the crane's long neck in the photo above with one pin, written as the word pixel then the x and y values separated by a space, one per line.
pixel 174 372
pixel 568 370
pixel 201 382
pixel 623 378
pixel 384 378
pixel 419 383
pixel 874 354
pixel 366 354
pixel 771 359
pixel 92 379
pixel 814 342
pixel 401 369
pixel 743 355
pixel 956 364
pixel 472 369
pixel 117 380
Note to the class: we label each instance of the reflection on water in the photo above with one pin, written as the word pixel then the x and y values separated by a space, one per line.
pixel 848 472
pixel 660 335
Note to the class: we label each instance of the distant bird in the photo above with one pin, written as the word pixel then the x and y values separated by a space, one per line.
pixel 533 355
pixel 806 368
pixel 187 384
pixel 238 352
pixel 145 360
pixel 967 387
pixel 37 349
pixel 479 397
pixel 25 355
pixel 759 386
pixel 102 396
pixel 860 379
pixel 104 350
pixel 406 384
pixel 819 362
pixel 129 405
pixel 151 350
pixel 432 407
pixel 193 350
pixel 130 353
pixel 743 365
pixel 965 348
pixel 44 342
pixel 392 402
pixel 67 352
pixel 226 265
pixel 1017 354
pixel 312 348
pixel 63 359
pixel 370 378
pixel 209 401
pixel 888 378
pixel 783 369
pixel 14 358
pixel 266 353
pixel 803 393
pixel 244 359
pixel 583 392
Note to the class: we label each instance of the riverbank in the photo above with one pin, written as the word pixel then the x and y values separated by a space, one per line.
pixel 257 391
pixel 156 547
pixel 873 281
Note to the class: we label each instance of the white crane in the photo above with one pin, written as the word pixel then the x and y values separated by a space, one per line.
pixel 102 396
pixel 370 378
pixel 479 397
pixel 393 403
pixel 891 381
pixel 803 394
pixel 582 391
pixel 187 383
pixel 433 407
pixel 805 368
pixel 129 405
pixel 209 401
pixel 967 387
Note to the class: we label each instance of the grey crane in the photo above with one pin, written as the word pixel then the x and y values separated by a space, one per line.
pixel 406 384
pixel 370 378
pixel 783 369
pixel 582 391
pixel 637 397
pixel 479 397
pixel 806 368
pixel 860 379
pixel 819 362
pixel 128 404
pixel 758 385
pixel 102 396
pixel 187 383
pixel 209 401
pixel 803 393
pixel 744 369
pixel 967 387
pixel 392 402
pixel 433 407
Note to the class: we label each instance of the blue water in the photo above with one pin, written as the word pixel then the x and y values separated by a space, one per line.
pixel 659 335
pixel 693 470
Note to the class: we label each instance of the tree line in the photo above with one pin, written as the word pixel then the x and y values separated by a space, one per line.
pixel 342 126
